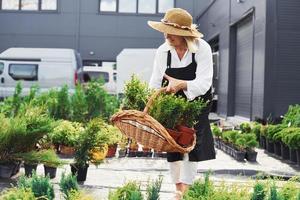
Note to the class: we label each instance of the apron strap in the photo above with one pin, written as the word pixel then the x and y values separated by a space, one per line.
pixel 193 58
pixel 169 60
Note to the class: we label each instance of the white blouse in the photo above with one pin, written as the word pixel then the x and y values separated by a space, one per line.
pixel 204 73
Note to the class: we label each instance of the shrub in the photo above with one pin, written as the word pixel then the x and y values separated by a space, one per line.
pixel 200 189
pixel 245 127
pixel 217 132
pixel 79 106
pixel 259 192
pixel 130 191
pixel 272 130
pixel 17 194
pixel 39 185
pixel 153 189
pixel 68 185
pixel 291 137
pixel 292 116
pixel 273 193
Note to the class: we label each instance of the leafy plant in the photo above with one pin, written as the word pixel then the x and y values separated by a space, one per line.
pixel 273 129
pixel 17 194
pixel 68 185
pixel 217 132
pixel 200 190
pixel 93 136
pixel 78 195
pixel 130 191
pixel 153 189
pixel 259 192
pixel 39 185
pixel 245 127
pixel 136 94
pixel 79 106
pixel 292 116
pixel 289 191
pixel 273 193
pixel 291 137
pixel 256 129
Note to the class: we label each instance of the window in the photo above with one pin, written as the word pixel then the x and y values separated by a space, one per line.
pixel 164 5
pixel 147 6
pixel 29 5
pixel 49 5
pixel 1 67
pixel 127 6
pixel 10 4
pixel 99 75
pixel 108 5
pixel 136 6
pixel 28 72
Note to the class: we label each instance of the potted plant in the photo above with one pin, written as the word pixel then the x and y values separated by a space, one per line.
pixel 114 137
pixel 250 144
pixel 122 145
pixel 217 132
pixel 291 137
pixel 92 136
pixel 31 160
pixel 133 148
pixel 66 134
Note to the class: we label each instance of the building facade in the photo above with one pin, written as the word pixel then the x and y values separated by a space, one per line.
pixel 258 48
pixel 98 29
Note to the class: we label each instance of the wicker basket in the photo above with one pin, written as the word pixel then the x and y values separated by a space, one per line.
pixel 146 130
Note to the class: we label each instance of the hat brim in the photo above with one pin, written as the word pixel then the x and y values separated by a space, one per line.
pixel 164 28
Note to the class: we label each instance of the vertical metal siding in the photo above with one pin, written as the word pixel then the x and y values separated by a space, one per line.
pixel 243 83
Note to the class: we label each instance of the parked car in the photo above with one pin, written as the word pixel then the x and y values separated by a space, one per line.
pixel 46 67
pixel 108 74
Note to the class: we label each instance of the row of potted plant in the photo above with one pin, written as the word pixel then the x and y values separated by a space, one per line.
pixel 240 144
pixel 283 140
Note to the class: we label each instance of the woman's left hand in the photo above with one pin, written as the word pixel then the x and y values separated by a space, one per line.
pixel 175 84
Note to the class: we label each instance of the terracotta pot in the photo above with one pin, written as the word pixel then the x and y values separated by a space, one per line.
pixel 186 135
pixel 174 134
pixel 66 150
pixel 111 151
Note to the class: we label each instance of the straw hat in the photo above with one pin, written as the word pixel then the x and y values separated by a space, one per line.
pixel 177 21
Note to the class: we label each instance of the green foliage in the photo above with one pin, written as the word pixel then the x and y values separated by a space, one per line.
pixel 66 133
pixel 17 194
pixel 39 185
pixel 130 191
pixel 217 132
pixel 63 104
pixel 78 195
pixel 200 189
pixel 153 189
pixel 230 136
pixel 292 116
pixel 289 191
pixel 273 193
pixel 93 136
pixel 136 94
pixel 291 137
pixel 167 109
pixel 273 129
pixel 68 184
pixel 32 94
pixel 11 105
pixel 259 192
pixel 245 127
pixel 256 128
pixel 79 105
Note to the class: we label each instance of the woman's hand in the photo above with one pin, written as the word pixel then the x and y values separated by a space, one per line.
pixel 175 84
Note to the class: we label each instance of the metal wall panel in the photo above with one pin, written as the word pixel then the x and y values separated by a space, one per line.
pixel 243 68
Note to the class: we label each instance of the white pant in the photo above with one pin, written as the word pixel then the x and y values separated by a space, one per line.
pixel 183 171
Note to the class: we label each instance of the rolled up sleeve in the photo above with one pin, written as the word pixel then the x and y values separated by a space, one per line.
pixel 204 73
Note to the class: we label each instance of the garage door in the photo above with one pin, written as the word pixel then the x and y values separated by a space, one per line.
pixel 244 46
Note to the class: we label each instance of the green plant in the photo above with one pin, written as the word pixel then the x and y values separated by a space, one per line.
pixel 66 133
pixel 289 191
pixel 11 105
pixel 273 129
pixel 68 184
pixel 250 141
pixel 40 186
pixel 292 117
pixel 114 133
pixel 191 111
pixel 136 94
pixel 93 136
pixel 291 137
pixel 259 192
pixel 230 136
pixel 273 193
pixel 200 189
pixel 256 128
pixel 217 132
pixel 17 194
pixel 245 127
pixel 78 195
pixel 130 191
pixel 63 104
pixel 153 189
pixel 79 106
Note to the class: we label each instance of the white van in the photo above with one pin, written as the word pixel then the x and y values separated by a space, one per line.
pixel 46 67
pixel 88 73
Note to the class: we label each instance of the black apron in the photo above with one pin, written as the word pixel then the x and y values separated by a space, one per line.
pixel 204 148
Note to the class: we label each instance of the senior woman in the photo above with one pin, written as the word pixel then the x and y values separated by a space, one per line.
pixel 185 62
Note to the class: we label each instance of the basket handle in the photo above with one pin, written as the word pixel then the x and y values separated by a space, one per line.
pixel 154 95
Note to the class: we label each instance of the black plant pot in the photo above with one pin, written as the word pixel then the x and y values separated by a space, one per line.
pixel 238 155
pixel 6 170
pixel 29 168
pixel 132 153
pixel 139 153
pixel 270 146
pixel 262 142
pixel 50 171
pixel 122 153
pixel 285 151
pixel 80 172
pixel 293 155
pixel 277 148
pixel 298 157
pixel 251 156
